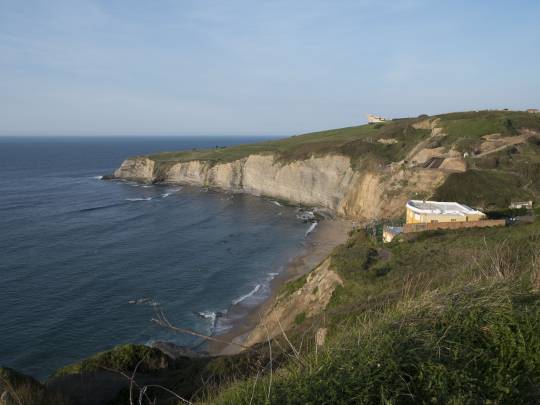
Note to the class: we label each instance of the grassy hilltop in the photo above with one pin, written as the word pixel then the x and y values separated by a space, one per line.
pixel 360 143
pixel 440 317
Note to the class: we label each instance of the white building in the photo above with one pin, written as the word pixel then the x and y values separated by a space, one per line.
pixel 521 204
pixel 425 212
pixel 373 119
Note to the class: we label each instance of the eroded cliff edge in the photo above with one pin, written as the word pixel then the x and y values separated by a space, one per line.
pixel 327 181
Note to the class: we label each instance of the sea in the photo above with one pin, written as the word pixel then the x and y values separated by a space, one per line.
pixel 85 264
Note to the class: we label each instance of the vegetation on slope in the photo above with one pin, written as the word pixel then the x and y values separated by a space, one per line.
pixel 16 388
pixel 473 345
pixel 497 179
pixel 123 358
pixel 464 129
pixel 450 317
pixel 485 189
pixel 360 142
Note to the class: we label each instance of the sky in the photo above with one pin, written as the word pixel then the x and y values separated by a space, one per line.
pixel 247 67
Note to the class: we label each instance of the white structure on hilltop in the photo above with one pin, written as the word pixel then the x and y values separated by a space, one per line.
pixel 373 119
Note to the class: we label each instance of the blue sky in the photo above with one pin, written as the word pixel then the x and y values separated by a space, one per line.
pixel 127 67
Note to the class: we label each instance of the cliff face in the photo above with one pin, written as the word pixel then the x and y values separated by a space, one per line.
pixel 309 300
pixel 136 169
pixel 327 181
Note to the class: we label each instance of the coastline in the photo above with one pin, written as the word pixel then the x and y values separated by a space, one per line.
pixel 319 244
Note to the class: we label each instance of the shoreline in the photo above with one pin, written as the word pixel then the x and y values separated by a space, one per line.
pixel 319 244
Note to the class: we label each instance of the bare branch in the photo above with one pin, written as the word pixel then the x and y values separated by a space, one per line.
pixel 162 321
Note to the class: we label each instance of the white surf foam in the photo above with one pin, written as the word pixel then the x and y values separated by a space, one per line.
pixel 311 228
pixel 244 297
pixel 208 315
pixel 144 301
pixel 97 177
pixel 139 199
pixel 170 191
pixel 277 203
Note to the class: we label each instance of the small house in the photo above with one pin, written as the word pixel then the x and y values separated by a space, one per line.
pixel 521 204
pixel 533 110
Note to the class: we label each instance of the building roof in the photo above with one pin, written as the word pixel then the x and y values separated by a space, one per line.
pixel 441 208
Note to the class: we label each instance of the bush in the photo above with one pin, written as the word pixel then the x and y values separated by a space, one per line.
pixel 474 345
pixel 120 358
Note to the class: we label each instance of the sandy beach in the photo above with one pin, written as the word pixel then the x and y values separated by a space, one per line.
pixel 329 234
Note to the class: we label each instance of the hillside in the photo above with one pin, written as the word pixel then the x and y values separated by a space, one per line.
pixel 436 317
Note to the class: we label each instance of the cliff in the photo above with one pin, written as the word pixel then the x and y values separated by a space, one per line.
pixel 292 306
pixel 327 181
pixel 363 172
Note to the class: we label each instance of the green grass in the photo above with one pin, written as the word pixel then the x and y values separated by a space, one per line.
pixel 483 188
pixel 473 345
pixel 292 286
pixel 465 129
pixel 447 317
pixel 23 390
pixel 359 143
pixel 120 358
pixel 300 318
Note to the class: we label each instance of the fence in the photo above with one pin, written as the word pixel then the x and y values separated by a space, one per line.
pixel 486 223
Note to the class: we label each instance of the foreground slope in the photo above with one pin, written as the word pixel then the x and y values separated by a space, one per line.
pixel 448 317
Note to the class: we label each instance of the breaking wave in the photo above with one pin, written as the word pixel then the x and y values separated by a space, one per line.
pixel 311 228
pixel 171 191
pixel 139 199
pixel 238 300
pixel 144 301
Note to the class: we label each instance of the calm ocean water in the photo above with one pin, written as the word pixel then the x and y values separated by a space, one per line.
pixel 85 262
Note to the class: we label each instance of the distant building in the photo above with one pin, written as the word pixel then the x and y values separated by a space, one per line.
pixel 374 119
pixel 521 204
pixel 425 212
pixel 533 110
